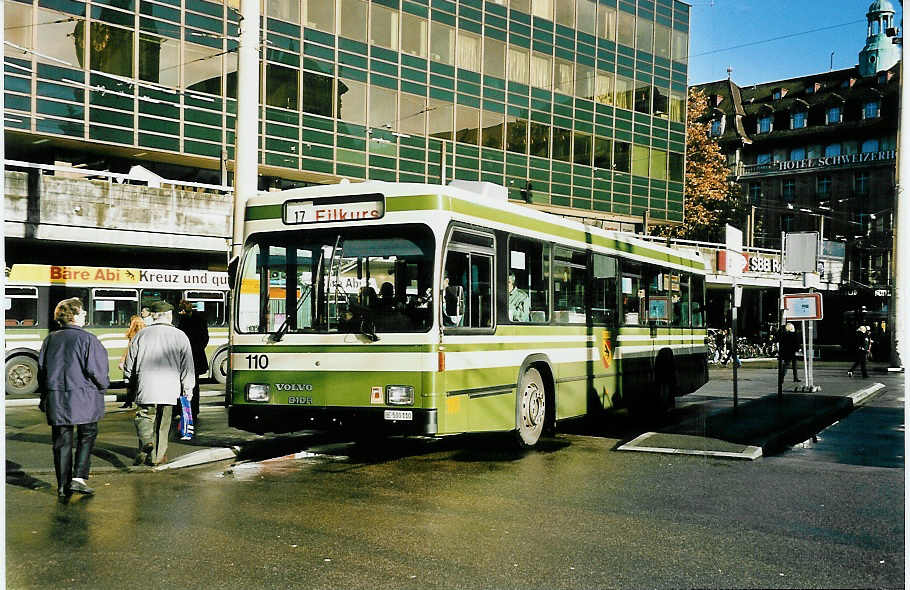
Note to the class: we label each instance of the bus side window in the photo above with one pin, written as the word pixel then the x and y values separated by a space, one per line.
pixel 528 282
pixel 454 288
pixel 603 289
pixel 658 284
pixel 680 297
pixel 21 305
pixel 569 270
pixel 481 291
pixel 697 294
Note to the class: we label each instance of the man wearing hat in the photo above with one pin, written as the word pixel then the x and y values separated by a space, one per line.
pixel 160 361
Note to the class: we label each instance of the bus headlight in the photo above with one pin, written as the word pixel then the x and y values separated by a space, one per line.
pixel 257 392
pixel 399 395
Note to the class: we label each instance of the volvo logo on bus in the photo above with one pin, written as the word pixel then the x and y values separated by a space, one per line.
pixel 293 387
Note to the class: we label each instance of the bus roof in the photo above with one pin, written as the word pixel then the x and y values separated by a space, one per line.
pixel 482 201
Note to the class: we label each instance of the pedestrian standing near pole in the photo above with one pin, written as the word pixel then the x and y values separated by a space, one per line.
pixel 861 349
pixel 787 346
pixel 160 361
pixel 73 373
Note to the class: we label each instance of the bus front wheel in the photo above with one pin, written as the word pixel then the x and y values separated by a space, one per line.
pixel 220 366
pixel 21 375
pixel 532 408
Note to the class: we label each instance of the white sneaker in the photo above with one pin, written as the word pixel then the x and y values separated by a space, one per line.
pixel 849 373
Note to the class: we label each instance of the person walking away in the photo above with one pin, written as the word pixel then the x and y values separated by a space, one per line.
pixel 786 350
pixel 861 351
pixel 160 360
pixel 136 324
pixel 192 323
pixel 73 375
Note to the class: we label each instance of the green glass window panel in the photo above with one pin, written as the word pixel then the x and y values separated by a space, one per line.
pixel 442 95
pixel 380 174
pixel 351 171
pixel 412 166
pixel 211 8
pixel 198 132
pixel 160 142
pixel 318 94
pixel 110 134
pixel 405 177
pixel 109 117
pixel 351 143
pixel 68 6
pixel 288 32
pixel 311 122
pixel 327 53
pixel 50 90
pixel 283 160
pixel 59 109
pixel 281 86
pixel 202 148
pixel 491 166
pixel 159 125
pixel 281 145
pixel 114 17
pixel 318 151
pixel 159 11
pixel 203 22
pixel 60 127
pixel 17 103
pixel 203 117
pixel 318 36
pixel 352 157
pixel 283 57
pixel 319 137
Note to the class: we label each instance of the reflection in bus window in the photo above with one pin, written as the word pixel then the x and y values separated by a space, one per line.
pixel 113 308
pixel 210 304
pixel 529 264
pixel 633 295
pixel 658 296
pixel 58 294
pixel 698 301
pixel 568 286
pixel 454 288
pixel 172 296
pixel 679 295
pixel 21 305
pixel 603 290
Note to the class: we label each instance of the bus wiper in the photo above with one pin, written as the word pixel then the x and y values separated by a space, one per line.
pixel 278 334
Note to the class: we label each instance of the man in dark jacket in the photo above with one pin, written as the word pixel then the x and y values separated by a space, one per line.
pixel 192 323
pixel 73 374
pixel 861 349
pixel 787 345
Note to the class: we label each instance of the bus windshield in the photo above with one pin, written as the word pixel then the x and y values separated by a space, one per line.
pixel 365 279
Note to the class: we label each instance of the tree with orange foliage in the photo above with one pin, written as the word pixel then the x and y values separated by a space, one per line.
pixel 712 200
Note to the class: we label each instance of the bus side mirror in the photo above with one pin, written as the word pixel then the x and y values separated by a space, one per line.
pixel 232 270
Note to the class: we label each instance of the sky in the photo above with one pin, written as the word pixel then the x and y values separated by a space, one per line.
pixel 720 28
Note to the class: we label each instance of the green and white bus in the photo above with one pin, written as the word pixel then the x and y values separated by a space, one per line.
pixel 436 310
pixel 111 296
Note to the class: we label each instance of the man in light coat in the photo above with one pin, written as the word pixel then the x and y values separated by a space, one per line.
pixel 160 361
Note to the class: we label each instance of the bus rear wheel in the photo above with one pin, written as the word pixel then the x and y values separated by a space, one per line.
pixel 220 366
pixel 21 375
pixel 532 408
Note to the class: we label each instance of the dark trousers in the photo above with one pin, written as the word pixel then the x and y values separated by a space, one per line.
pixel 860 361
pixel 194 404
pixel 62 437
pixel 783 369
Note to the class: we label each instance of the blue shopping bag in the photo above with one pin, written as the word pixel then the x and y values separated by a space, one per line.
pixel 185 427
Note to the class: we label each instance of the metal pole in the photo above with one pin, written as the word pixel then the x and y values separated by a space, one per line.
pixel 734 347
pixel 780 319
pixel 901 234
pixel 246 146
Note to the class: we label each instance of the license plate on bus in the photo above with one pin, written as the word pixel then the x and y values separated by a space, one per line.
pixel 399 415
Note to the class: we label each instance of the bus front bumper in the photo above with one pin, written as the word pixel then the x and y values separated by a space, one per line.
pixel 281 419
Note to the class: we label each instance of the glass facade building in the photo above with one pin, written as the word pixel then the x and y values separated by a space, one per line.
pixel 574 104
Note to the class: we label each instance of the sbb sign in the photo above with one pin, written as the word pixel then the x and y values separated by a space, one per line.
pixel 753 263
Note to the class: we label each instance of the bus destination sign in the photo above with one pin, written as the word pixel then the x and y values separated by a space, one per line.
pixel 341 208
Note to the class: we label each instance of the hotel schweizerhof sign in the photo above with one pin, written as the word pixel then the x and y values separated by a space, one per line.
pixel 830 161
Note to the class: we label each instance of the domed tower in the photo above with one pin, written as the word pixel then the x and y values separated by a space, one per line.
pixel 880 52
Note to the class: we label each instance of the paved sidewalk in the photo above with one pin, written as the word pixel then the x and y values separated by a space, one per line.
pixel 703 423
pixel 761 423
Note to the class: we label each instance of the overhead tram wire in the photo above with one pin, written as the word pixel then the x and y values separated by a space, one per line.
pixel 778 38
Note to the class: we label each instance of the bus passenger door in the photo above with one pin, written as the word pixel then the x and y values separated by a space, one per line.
pixel 604 326
pixel 472 392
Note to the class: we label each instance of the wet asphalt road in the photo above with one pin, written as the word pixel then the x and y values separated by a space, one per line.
pixel 462 513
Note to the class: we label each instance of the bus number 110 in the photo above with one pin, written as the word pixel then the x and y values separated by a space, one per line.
pixel 257 361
